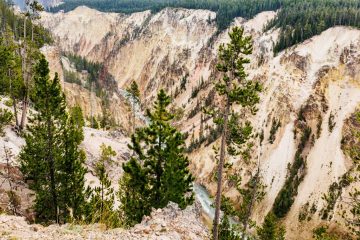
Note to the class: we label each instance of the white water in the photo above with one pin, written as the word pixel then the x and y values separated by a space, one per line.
pixel 138 113
pixel 206 202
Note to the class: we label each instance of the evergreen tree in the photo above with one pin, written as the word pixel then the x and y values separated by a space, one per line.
pixel 235 89
pixel 270 229
pixel 134 93
pixel 42 153
pixel 158 173
pixel 10 71
pixel 5 119
pixel 226 231
pixel 103 197
pixel 71 167
pixel 29 54
pixel 134 193
pixel 51 159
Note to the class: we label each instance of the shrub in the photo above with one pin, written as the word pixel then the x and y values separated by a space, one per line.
pixel 5 119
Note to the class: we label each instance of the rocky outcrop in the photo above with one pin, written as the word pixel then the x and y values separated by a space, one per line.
pixel 170 223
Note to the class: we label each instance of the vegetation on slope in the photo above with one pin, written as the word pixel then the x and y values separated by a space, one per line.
pixel 298 20
pixel 15 23
pixel 96 72
pixel 20 41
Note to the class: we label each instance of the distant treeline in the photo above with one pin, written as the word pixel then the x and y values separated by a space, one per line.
pixel 301 20
pixel 226 10
pixel 298 20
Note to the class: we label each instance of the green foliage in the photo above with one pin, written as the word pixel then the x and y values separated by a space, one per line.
pixel 97 74
pixel 350 144
pixel 226 231
pixel 71 167
pixel 16 24
pixel 226 10
pixel 71 77
pixel 134 92
pixel 94 123
pixel 271 230
pixel 251 193
pixel 102 198
pixel 158 172
pixel 14 201
pixel 201 84
pixel 213 134
pixel 334 192
pixel 51 161
pixel 11 82
pixel 286 196
pixel 306 212
pixel 195 110
pixel 183 82
pixel 298 20
pixel 235 89
pixel 5 119
pixel 321 233
pixel 274 128
pixel 331 122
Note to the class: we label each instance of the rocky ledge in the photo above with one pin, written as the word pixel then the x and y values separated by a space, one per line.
pixel 170 223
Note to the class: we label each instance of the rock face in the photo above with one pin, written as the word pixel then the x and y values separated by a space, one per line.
pixel 319 77
pixel 170 223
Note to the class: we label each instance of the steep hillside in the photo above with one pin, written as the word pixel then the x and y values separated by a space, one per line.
pixel 309 90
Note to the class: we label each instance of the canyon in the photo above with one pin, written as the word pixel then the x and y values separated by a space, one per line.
pixel 314 85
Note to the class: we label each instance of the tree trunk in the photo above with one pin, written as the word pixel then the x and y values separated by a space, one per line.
pixel 248 212
pixel 32 31
pixel 220 171
pixel 52 170
pixel 134 125
pixel 24 110
pixel 25 100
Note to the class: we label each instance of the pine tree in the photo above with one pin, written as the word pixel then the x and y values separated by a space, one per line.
pixel 101 206
pixel 134 93
pixel 158 173
pixel 42 152
pixel 71 168
pixel 10 71
pixel 134 193
pixel 51 159
pixel 226 231
pixel 235 89
pixel 270 230
pixel 29 54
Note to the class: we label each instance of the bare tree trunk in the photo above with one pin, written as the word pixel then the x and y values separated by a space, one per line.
pixel 15 112
pixel 133 123
pixel 25 100
pixel 32 31
pixel 220 171
pixel 25 106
